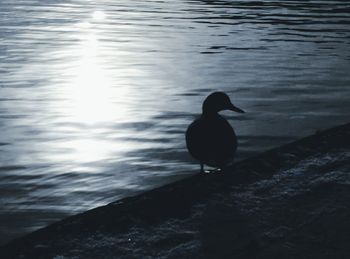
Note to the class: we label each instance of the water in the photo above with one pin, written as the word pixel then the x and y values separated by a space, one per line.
pixel 95 96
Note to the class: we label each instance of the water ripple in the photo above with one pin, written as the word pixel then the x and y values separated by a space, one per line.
pixel 95 97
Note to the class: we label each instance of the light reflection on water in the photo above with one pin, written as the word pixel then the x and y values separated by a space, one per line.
pixel 95 97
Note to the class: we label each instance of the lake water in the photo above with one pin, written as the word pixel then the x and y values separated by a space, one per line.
pixel 95 96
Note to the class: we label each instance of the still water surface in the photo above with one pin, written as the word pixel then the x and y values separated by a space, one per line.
pixel 95 96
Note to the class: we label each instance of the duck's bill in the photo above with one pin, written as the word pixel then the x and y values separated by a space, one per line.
pixel 236 109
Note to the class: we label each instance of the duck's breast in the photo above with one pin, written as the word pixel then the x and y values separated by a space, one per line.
pixel 211 140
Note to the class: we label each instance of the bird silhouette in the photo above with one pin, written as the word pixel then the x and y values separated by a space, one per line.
pixel 210 139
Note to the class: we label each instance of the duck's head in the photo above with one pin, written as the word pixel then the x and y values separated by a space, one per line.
pixel 218 101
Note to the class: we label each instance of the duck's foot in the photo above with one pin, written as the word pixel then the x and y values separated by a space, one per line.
pixel 202 171
pixel 216 170
pixel 212 171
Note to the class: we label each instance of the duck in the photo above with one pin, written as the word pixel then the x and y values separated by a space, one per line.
pixel 210 139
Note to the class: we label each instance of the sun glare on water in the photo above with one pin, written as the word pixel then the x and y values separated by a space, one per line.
pixel 93 96
pixel 98 15
pixel 91 86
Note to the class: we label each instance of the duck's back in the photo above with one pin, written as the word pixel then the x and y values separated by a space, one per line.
pixel 212 141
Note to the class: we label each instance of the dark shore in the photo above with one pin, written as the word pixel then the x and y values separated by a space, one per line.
pixel 289 202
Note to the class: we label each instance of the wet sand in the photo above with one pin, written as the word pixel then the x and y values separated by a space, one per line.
pixel 289 202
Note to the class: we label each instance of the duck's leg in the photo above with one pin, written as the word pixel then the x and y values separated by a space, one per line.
pixel 202 168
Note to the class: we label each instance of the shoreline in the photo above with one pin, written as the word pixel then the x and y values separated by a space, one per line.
pixel 178 204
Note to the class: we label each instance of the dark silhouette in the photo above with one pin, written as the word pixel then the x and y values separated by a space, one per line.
pixel 210 138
